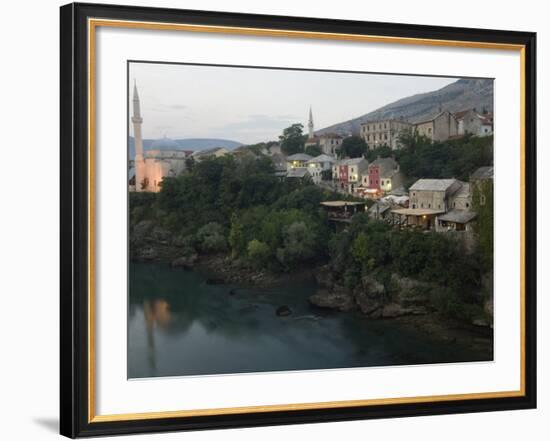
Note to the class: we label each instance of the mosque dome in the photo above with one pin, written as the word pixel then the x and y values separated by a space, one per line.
pixel 165 144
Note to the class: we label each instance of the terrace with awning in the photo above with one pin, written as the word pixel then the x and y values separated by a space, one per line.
pixel 423 218
pixel 342 211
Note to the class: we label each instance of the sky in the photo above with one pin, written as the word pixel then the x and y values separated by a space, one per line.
pixel 251 105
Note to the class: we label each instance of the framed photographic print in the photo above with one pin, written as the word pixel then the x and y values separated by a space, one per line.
pixel 273 220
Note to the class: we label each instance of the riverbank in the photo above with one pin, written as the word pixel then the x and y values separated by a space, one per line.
pixel 375 295
pixel 410 313
pixel 222 269
pixel 451 331
pixel 408 303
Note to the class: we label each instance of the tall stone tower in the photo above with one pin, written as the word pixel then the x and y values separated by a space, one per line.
pixel 138 141
pixel 310 124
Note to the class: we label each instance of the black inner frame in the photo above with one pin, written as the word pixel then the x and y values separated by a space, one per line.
pixel 74 219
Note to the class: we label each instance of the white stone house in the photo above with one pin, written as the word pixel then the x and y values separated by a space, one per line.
pixel 330 143
pixel 486 125
pixel 316 166
pixel 298 160
pixel 471 122
pixel 356 167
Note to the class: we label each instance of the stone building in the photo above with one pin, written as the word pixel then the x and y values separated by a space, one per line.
pixel 316 166
pixel 384 132
pixel 165 158
pixel 473 123
pixel 160 164
pixel 462 198
pixel 460 214
pixel 443 205
pixel 456 220
pixel 439 128
pixel 347 173
pixel 330 143
pixel 384 175
pixel 433 193
pixel 486 125
pixel 298 160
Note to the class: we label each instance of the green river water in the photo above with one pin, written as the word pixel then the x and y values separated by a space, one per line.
pixel 180 325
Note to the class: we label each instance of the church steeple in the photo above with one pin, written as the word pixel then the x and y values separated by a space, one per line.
pixel 137 120
pixel 310 124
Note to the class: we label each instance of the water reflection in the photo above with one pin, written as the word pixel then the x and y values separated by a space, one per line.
pixel 194 328
pixel 156 313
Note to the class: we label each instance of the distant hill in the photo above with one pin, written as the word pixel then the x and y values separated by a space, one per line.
pixel 461 95
pixel 194 144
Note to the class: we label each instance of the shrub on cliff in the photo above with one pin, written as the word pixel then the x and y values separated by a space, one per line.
pixel 211 238
pixel 298 244
pixel 258 253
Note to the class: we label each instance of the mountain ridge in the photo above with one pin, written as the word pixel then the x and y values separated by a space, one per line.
pixel 195 144
pixel 463 94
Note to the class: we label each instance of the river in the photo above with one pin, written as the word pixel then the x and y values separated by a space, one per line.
pixel 180 325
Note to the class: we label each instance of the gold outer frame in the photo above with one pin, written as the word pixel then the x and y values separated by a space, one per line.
pixel 93 24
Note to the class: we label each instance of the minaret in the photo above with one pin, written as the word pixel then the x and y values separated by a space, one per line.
pixel 138 141
pixel 310 124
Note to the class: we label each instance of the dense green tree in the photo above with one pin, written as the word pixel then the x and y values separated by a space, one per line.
pixel 339 251
pixel 360 249
pixel 298 244
pixel 409 140
pixel 482 201
pixel 313 150
pixel 237 238
pixel 258 253
pixel 457 158
pixel 383 151
pixel 189 163
pixel 353 147
pixel 292 140
pixel 211 238
pixel 326 175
